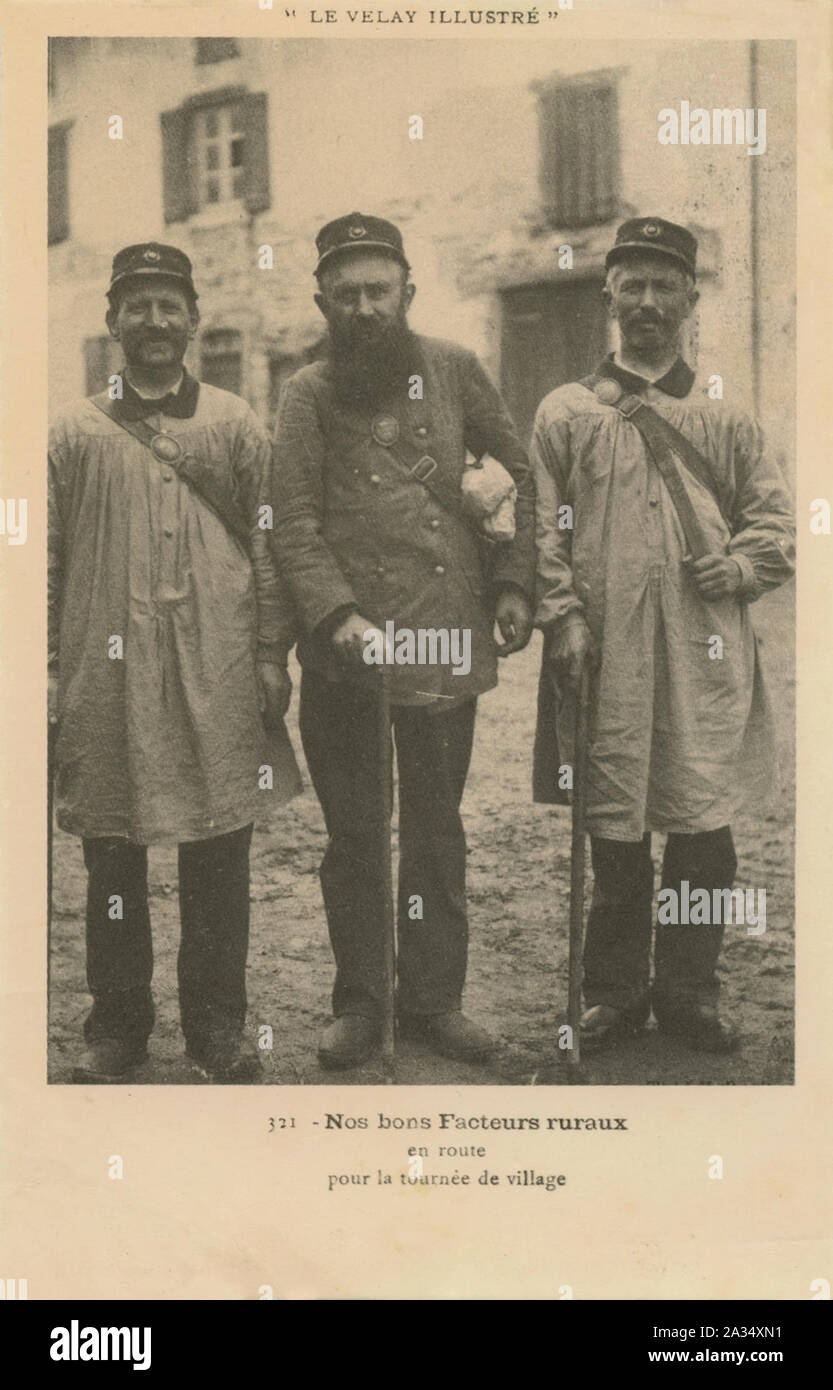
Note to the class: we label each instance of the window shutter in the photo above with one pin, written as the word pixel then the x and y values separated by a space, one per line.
pixel 178 180
pixel 58 182
pixel 579 152
pixel 216 50
pixel 256 107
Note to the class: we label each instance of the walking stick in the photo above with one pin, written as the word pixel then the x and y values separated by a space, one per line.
pixel 385 765
pixel 577 861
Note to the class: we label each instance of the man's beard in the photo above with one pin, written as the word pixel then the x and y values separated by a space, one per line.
pixel 371 362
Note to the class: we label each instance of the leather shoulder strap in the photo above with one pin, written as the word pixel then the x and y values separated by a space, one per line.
pixel 433 475
pixel 648 422
pixel 686 452
pixel 139 429
pixel 199 477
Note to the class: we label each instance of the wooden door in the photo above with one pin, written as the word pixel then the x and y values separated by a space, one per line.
pixel 550 334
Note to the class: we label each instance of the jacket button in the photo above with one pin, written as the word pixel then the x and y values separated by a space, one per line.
pixel 355 472
pixel 167 477
pixel 653 501
pixel 375 479
pixel 421 431
pixel 379 572
pixel 168 531
pixel 434 523
pixel 439 569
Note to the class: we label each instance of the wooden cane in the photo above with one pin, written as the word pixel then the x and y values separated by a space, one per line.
pixel 385 765
pixel 577 862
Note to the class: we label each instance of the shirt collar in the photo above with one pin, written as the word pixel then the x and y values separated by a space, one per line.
pixel 181 403
pixel 678 380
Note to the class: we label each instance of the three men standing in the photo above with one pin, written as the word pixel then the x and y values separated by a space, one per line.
pixel 680 726
pixel 168 640
pixel 365 536
pixel 170 629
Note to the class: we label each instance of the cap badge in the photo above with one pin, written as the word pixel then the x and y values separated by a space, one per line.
pixel 356 231
pixel 150 254
pixel 385 430
pixel 650 229
pixel 607 391
pixel 166 448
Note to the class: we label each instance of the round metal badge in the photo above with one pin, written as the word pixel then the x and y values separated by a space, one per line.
pixel 607 391
pixel 166 448
pixel 385 430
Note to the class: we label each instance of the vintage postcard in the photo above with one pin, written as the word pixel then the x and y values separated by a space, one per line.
pixel 415 535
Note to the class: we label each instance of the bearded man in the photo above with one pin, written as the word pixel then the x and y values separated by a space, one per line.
pixel 678 522
pixel 168 640
pixel 364 538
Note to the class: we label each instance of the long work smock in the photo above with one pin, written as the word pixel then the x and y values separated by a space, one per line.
pixel 681 729
pixel 158 615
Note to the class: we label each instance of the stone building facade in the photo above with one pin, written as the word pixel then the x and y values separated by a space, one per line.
pixel 230 146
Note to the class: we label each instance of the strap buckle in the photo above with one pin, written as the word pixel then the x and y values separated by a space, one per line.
pixel 629 405
pixel 424 467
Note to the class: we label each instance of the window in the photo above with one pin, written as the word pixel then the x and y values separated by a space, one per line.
pixel 58 181
pixel 578 121
pixel 103 358
pixel 221 359
pixel 218 136
pixel 215 151
pixel 216 50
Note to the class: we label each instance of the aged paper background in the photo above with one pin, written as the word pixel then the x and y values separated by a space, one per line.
pixel 212 1204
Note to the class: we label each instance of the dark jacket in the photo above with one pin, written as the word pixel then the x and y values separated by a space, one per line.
pixel 354 530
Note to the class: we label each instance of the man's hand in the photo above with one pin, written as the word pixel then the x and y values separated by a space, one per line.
pixel 275 689
pixel 572 646
pixel 513 616
pixel 52 698
pixel 349 641
pixel 716 576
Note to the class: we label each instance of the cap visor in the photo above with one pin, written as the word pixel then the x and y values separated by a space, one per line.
pixel 363 246
pixel 644 247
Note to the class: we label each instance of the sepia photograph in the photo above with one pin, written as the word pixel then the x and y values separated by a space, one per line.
pixel 421 562
pixel 414 585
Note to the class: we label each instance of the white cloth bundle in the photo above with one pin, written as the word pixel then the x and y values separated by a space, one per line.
pixel 489 494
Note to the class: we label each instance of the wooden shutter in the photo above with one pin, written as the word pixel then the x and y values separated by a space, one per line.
pixel 256 109
pixel 579 152
pixel 216 50
pixel 179 185
pixel 58 182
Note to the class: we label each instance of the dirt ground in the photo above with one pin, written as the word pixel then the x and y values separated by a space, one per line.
pixel 518 882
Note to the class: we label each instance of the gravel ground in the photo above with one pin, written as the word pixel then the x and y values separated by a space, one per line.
pixel 518 895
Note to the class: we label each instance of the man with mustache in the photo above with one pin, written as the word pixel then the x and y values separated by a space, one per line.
pixel 168 640
pixel 680 728
pixel 363 539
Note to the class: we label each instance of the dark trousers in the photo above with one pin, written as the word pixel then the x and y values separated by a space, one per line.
pixel 214 940
pixel 617 945
pixel 338 728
